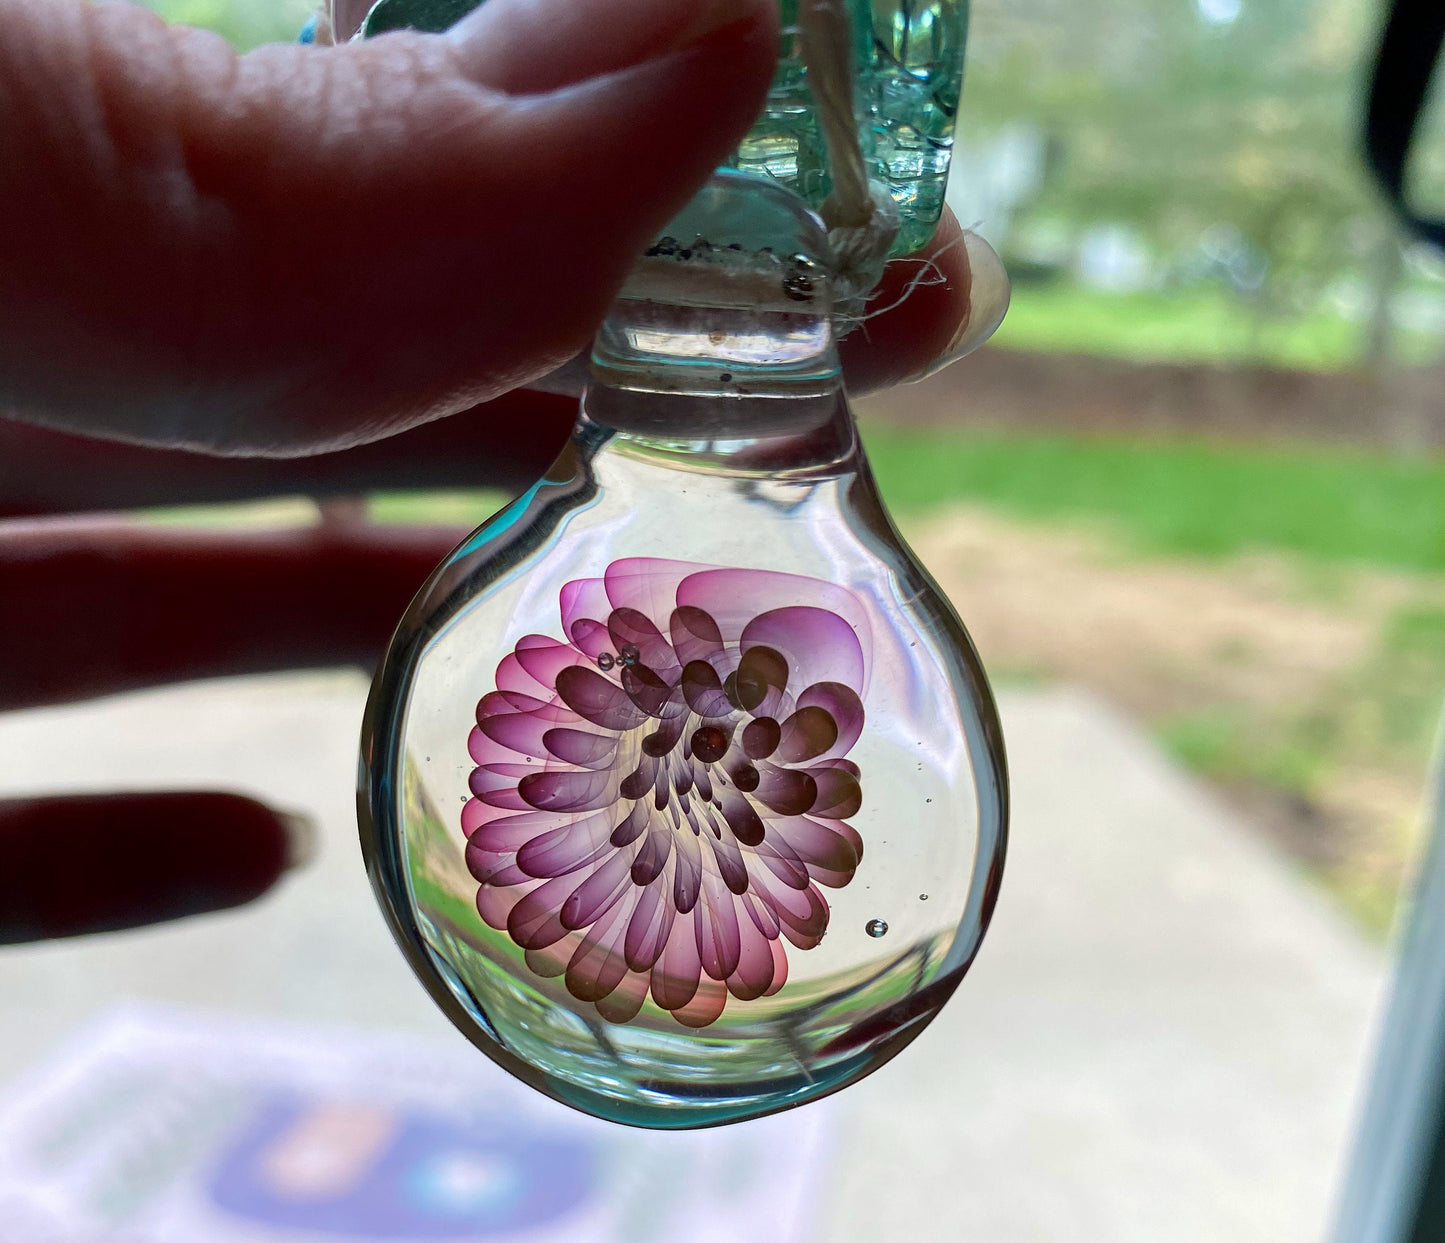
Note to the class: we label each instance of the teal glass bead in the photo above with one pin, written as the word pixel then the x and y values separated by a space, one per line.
pixel 908 56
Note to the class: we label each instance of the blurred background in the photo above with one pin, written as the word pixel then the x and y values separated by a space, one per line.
pixel 1190 502
pixel 1197 469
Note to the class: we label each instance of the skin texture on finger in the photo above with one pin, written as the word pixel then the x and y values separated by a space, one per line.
pixel 309 248
pixel 98 607
pixel 506 444
pixel 98 863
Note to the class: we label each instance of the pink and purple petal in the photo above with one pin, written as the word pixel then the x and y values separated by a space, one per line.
pixel 706 1006
pixel 638 817
pixel 598 966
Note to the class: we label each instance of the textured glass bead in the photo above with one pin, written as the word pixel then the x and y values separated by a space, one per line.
pixel 909 67
pixel 908 60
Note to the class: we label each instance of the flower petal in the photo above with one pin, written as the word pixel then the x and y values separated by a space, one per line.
pixel 631 826
pixel 703 690
pixel 806 928
pixel 839 794
pixel 843 705
pixel 819 646
pixel 761 737
pixel 623 1002
pixel 729 862
pixel 519 732
pixel 781 862
pixel 579 746
pixel 695 636
pixel 715 925
pixel 646 689
pixel 760 912
pixel 534 922
pixel 754 973
pixel 648 929
pixel 551 960
pixel 496 789
pixel 652 858
pixel 495 905
pixel 677 971
pixel 780 967
pixel 597 699
pixel 635 632
pixel 597 894
pixel 571 789
pixel 734 596
pixel 583 598
pixel 742 818
pixel 545 658
pixel 706 1005
pixel 687 878
pixel 787 791
pixel 560 851
pixel 598 966
pixel 807 734
pixel 761 677
pixel 647 584
pixel 590 637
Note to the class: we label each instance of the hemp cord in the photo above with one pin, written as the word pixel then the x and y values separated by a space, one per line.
pixel 860 214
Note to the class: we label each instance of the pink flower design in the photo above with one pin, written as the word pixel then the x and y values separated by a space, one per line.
pixel 657 801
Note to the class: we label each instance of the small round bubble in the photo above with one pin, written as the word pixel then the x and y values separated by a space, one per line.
pixel 876 927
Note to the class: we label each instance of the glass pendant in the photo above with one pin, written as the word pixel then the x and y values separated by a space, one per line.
pixel 682 787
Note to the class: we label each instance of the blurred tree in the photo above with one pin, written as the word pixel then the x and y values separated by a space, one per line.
pixel 1225 133
pixel 1179 118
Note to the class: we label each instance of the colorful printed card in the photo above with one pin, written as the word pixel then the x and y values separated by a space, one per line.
pixel 157 1126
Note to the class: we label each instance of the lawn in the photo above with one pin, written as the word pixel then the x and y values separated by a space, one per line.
pixel 1193 324
pixel 1332 763
pixel 1172 497
pixel 1159 496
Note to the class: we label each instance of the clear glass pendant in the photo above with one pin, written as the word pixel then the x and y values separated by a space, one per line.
pixel 682 787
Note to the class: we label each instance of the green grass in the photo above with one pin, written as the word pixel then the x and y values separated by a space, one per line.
pixel 463 509
pixel 1183 497
pixel 1395 699
pixel 1231 746
pixel 1199 325
pixel 1382 717
pixel 246 23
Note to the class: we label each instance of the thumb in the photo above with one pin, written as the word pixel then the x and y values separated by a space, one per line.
pixel 306 248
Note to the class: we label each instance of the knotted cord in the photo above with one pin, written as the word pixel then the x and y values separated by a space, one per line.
pixel 861 217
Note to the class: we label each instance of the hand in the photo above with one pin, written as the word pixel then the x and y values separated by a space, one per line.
pixel 303 251
pixel 307 248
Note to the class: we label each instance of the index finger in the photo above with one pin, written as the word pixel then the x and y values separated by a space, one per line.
pixel 99 607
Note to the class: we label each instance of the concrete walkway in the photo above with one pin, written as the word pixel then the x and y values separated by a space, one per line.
pixel 1161 1040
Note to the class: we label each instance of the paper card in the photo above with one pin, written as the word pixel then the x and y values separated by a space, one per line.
pixel 158 1126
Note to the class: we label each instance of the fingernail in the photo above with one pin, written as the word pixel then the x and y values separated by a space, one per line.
pixel 303 839
pixel 988 298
